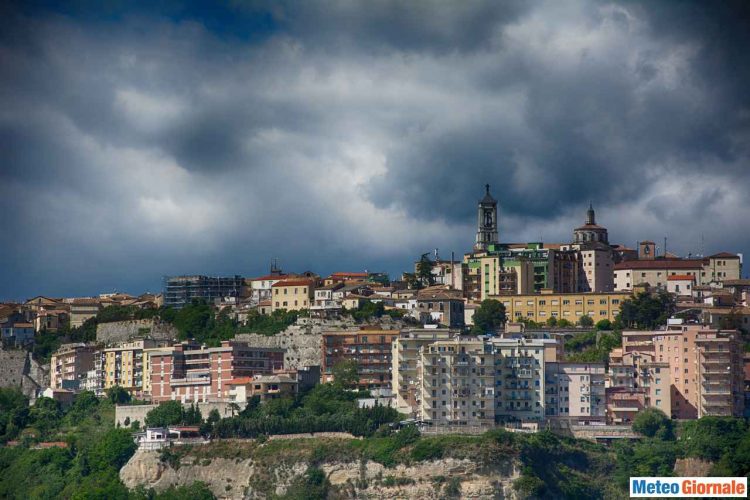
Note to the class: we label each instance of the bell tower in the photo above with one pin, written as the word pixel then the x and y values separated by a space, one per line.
pixel 486 221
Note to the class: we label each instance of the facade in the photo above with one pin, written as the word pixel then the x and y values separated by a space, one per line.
pixel 126 365
pixel 681 284
pixel 407 367
pixel 656 271
pixel 193 373
pixel 17 333
pixel 292 295
pixel 180 291
pixel 519 379
pixel 265 387
pixel 575 391
pixel 259 289
pixel 83 309
pixel 370 348
pixel 440 305
pixel 569 306
pixel 50 320
pixel 70 364
pixel 623 404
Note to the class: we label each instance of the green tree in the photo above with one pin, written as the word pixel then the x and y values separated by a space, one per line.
pixel 564 323
pixel 195 491
pixel 604 324
pixel 552 321
pixel 586 321
pixel 167 413
pixel 652 422
pixel 192 416
pixel 345 374
pixel 113 449
pixel 647 310
pixel 489 316
pixel 424 270
pixel 117 395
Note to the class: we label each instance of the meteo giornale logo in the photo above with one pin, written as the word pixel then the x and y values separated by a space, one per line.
pixel 686 487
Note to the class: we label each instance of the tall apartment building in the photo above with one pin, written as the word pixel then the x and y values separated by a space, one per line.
pixel 519 379
pixel 457 385
pixel 180 291
pixel 70 364
pixel 407 367
pixel 569 306
pixel 126 365
pixel 575 391
pixel 191 373
pixel 370 348
pixel 703 366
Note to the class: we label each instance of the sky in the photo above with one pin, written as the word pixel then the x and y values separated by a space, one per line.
pixel 144 139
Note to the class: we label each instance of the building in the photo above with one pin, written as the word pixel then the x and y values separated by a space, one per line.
pixel 193 373
pixel 594 258
pixel 656 271
pixel 407 367
pixel 17 333
pixel 440 305
pixel 369 348
pixel 341 277
pixel 180 291
pixel 51 320
pixel 70 364
pixel 486 222
pixel 83 309
pixel 575 391
pixel 568 306
pixel 681 284
pixel 292 295
pixel 623 404
pixel 494 275
pixel 519 379
pixel 259 289
pixel 542 259
pixel 265 387
pixel 457 383
pixel 324 303
pixel 126 365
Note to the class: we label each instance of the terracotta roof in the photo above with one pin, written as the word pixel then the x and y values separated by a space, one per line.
pixel 23 325
pixel 86 302
pixel 240 381
pixel 291 283
pixel 681 277
pixel 352 275
pixel 264 303
pixel 724 255
pixel 739 282
pixel 270 277
pixel 660 264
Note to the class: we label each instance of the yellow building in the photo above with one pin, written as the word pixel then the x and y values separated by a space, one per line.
pixel 126 365
pixel 292 295
pixel 569 306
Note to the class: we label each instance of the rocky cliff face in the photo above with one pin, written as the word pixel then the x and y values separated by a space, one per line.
pixel 243 478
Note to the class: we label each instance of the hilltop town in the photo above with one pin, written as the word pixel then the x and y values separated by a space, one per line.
pixel 576 338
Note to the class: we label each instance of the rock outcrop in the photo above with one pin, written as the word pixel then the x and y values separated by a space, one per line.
pixel 241 478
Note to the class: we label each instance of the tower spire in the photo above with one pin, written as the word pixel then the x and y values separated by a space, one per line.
pixel 590 215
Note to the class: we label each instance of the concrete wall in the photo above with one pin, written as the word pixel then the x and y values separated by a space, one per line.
pixel 121 331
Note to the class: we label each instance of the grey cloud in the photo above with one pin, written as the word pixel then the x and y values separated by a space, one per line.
pixel 359 135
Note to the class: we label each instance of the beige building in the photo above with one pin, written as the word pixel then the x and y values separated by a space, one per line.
pixel 126 365
pixel 83 309
pixel 266 387
pixel 569 306
pixel 457 385
pixel 575 391
pixel 70 364
pixel 519 379
pixel 292 295
pixel 407 367
pixel 496 277
pixel 656 271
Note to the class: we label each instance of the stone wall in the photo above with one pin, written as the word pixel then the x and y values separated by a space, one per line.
pixel 122 331
pixel 302 340
pixel 139 412
pixel 18 369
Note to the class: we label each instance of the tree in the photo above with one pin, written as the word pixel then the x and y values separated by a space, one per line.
pixel 345 374
pixel 424 270
pixel 192 416
pixel 586 321
pixel 604 324
pixel 167 413
pixel 564 323
pixel 489 316
pixel 113 448
pixel 117 395
pixel 647 310
pixel 552 321
pixel 652 422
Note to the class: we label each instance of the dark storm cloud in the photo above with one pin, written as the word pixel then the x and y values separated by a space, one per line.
pixel 172 139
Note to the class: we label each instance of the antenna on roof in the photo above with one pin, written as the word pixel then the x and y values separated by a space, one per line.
pixel 665 245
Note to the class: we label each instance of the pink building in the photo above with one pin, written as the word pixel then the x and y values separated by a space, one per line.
pixel 192 373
